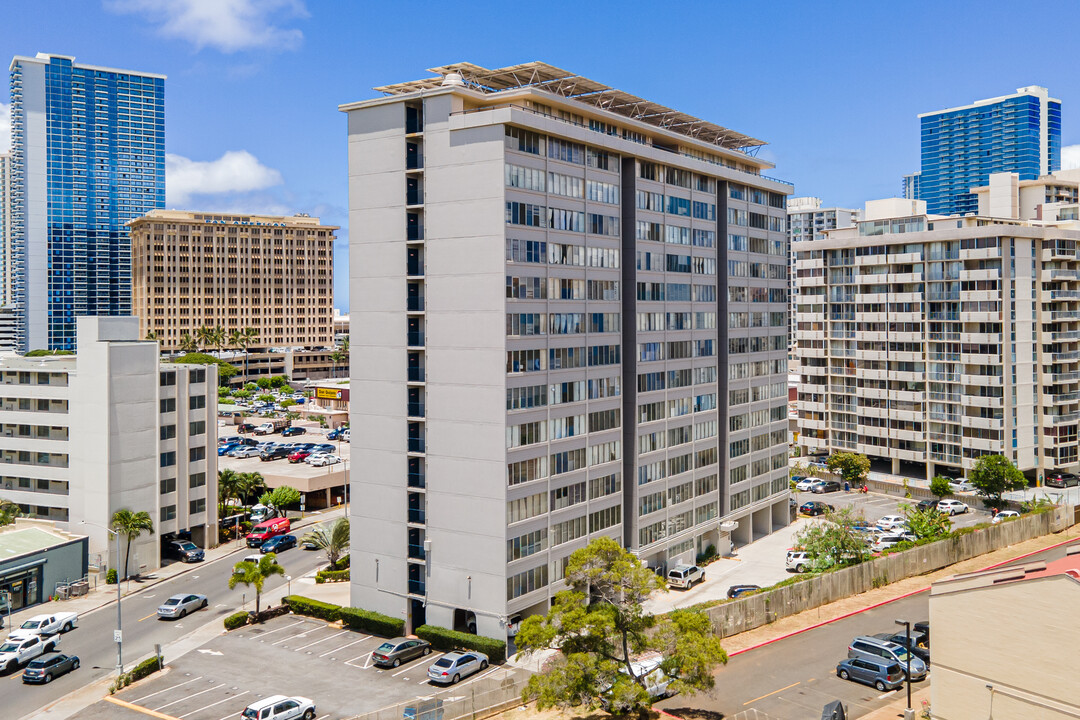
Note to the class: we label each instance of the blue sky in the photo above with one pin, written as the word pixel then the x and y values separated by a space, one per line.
pixel 833 87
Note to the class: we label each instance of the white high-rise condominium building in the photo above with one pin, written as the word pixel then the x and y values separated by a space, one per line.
pixel 5 229
pixel 933 340
pixel 571 321
pixel 807 220
pixel 83 436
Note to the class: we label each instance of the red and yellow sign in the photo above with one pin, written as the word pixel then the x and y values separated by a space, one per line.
pixel 325 393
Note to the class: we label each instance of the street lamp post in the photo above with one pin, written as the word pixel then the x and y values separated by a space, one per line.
pixel 907 630
pixel 119 635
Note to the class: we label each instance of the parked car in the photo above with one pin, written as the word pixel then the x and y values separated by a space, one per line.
pixel 345 435
pixel 261 513
pixel 952 507
pixel 226 449
pixel 299 455
pixel 867 647
pixel 888 522
pixel 1005 515
pixel 322 460
pixel 739 590
pixel 826 486
pixel 882 675
pixel 923 653
pixel 44 625
pixel 274 453
pixel 15 652
pixel 926 505
pixel 335 434
pixel 798 561
pixel 245 428
pixel 884 541
pixel 245 452
pixel 394 652
pixel 1061 479
pixel 49 667
pixel 324 448
pixel 266 530
pixel 183 550
pixel 278 544
pixel 291 431
pixel 958 485
pixel 685 576
pixel 453 666
pixel 280 707
pixel 179 606
pixel 803 484
pixel 814 507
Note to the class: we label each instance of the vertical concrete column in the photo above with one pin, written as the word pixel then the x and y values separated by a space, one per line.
pixel 930 471
pixel 896 466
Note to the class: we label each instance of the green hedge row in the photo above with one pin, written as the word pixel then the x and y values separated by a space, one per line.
pixel 325 576
pixel 445 639
pixel 146 667
pixel 313 608
pixel 372 622
pixel 237 619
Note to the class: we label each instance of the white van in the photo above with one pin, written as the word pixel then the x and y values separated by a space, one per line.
pixel 280 707
pixel 656 680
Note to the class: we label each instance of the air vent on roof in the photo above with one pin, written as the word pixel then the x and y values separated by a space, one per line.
pixel 453 79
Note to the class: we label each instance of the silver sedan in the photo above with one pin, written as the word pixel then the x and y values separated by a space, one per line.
pixel 180 605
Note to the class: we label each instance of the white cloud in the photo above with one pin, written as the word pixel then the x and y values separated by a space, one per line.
pixel 236 171
pixel 1070 157
pixel 227 25
pixel 5 127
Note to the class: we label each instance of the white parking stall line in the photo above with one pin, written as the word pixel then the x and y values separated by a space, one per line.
pixel 328 652
pixel 207 707
pixel 284 627
pixel 188 697
pixel 365 666
pixel 287 638
pixel 478 677
pixel 337 634
pixel 403 670
pixel 171 687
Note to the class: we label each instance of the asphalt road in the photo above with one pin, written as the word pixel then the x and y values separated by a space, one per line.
pixel 93 642
pixel 792 679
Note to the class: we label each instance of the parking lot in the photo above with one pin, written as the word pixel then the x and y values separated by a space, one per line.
pixel 291 656
pixel 874 506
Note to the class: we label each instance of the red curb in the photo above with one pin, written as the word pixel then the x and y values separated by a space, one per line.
pixel 886 602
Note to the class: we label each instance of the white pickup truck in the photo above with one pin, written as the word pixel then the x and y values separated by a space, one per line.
pixel 51 624
pixel 19 651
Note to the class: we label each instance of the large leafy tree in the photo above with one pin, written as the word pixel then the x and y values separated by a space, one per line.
pixel 853 467
pixel 131 525
pixel 254 575
pixel 836 540
pixel 333 539
pixel 939 487
pixel 280 497
pixel 9 510
pixel 600 629
pixel 994 475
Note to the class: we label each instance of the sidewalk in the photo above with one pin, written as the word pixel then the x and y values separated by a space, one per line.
pixel 101 594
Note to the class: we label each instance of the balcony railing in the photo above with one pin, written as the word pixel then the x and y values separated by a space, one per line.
pixel 416 374
pixel 416 409
pixel 414 232
pixel 416 339
pixel 415 303
pixel 417 480
pixel 416 445
pixel 416 552
pixel 416 515
pixel 416 587
pixel 415 269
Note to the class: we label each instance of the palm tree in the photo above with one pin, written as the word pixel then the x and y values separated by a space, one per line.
pixel 254 575
pixel 332 539
pixel 252 484
pixel 242 339
pixel 204 337
pixel 220 338
pixel 188 343
pixel 152 335
pixel 131 525
pixel 228 487
pixel 9 510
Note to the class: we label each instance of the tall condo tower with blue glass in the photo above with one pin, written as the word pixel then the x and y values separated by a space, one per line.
pixel 962 146
pixel 88 155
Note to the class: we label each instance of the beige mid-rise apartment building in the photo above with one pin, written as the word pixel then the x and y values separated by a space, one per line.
pixel 271 273
pixel 934 340
pixel 571 323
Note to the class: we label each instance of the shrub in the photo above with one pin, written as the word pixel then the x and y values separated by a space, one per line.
pixel 146 667
pixel 325 576
pixel 237 619
pixel 110 576
pixel 313 608
pixel 446 639
pixel 372 622
pixel 342 563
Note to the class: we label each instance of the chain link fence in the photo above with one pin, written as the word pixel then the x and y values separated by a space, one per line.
pixel 474 701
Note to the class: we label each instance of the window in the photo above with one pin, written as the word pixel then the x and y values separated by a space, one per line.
pixel 196 402
pixel 168 405
pixel 196 480
pixel 197 506
pixel 168 432
pixel 525 178
pixel 525 141
pixel 526 582
pixel 168 459
pixel 167 379
pixel 168 485
pixel 168 512
pixel 568 530
pixel 604 519
pixel 566 151
pixel 526 471
pixel 196 427
pixel 526 545
pixel 566 496
pixel 518 213
pixel 607 485
pixel 197 375
pixel 566 185
pixel 196 453
pixel 526 507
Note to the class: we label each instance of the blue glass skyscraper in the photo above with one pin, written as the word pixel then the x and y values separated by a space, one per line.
pixel 88 155
pixel 962 146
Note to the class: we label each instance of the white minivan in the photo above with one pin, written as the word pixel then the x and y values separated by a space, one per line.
pixel 280 707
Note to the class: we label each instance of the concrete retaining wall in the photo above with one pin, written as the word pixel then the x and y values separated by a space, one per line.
pixel 763 608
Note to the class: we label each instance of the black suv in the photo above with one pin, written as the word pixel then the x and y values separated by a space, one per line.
pixel 290 431
pixel 926 505
pixel 183 550
pixel 275 453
